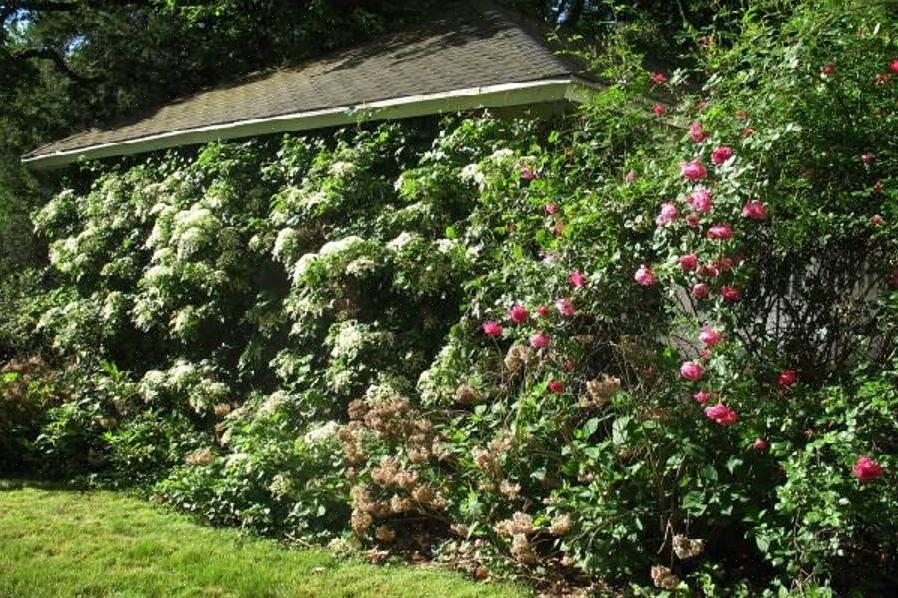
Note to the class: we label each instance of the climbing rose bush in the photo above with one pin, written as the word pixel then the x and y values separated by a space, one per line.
pixel 645 349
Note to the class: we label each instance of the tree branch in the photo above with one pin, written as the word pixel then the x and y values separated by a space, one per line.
pixel 57 60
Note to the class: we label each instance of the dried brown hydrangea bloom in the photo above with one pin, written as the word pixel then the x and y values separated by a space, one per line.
pixel 199 457
pixel 467 395
pixel 519 358
pixel 598 392
pixel 221 409
pixel 522 550
pixel 664 578
pixel 561 525
pixel 687 548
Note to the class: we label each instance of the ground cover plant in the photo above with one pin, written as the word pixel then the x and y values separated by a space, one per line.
pixel 646 347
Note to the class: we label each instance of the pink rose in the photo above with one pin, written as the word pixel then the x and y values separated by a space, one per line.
pixel 551 209
pixel 828 69
pixel 787 378
pixel 701 291
pixel 693 220
pixel 556 386
pixel 659 109
pixel 565 306
pixel 696 132
pixel 730 293
pixel 756 210
pixel 866 469
pixel 576 279
pixel 893 66
pixel 492 328
pixel 644 276
pixel 527 174
pixel 693 170
pixel 688 262
pixel 702 396
pixel 659 78
pixel 667 215
pixel 721 415
pixel 700 200
pixel 867 158
pixel 721 155
pixel 692 370
pixel 518 314
pixel 759 445
pixel 539 340
pixel 542 311
pixel 710 336
pixel 720 232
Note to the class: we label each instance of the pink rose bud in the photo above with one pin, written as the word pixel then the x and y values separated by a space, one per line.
pixel 551 209
pixel 866 469
pixel 787 378
pixel 701 291
pixel 708 271
pixel 518 314
pixel 693 170
pixel 828 69
pixel 721 155
pixel 693 220
pixel 720 232
pixel 731 294
pixel 492 328
pixel 756 210
pixel 702 397
pixel 692 370
pixel 696 132
pixel 667 215
pixel 867 158
pixel 527 174
pixel 659 109
pixel 644 276
pixel 700 200
pixel 565 306
pixel 542 311
pixel 688 262
pixel 576 279
pixel 710 336
pixel 659 78
pixel 721 415
pixel 539 340
pixel 725 264
pixel 893 66
pixel 556 386
pixel 759 445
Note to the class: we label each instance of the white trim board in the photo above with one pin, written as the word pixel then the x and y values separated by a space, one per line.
pixel 503 95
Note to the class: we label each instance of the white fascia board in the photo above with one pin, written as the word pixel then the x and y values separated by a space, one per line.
pixel 492 96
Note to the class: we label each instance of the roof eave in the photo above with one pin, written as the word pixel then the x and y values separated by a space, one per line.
pixel 569 88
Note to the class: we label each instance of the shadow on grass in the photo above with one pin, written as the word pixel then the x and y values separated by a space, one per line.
pixel 8 483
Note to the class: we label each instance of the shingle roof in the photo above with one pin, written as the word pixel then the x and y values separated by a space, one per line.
pixel 470 47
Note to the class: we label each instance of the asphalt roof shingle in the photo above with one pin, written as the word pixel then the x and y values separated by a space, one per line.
pixel 471 44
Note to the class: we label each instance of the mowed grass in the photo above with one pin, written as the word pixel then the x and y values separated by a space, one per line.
pixel 69 543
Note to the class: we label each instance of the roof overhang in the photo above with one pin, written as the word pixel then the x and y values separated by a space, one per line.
pixel 572 89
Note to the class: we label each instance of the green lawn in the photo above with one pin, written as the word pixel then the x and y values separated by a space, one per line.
pixel 68 543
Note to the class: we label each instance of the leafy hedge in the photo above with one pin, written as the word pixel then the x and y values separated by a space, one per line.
pixel 650 345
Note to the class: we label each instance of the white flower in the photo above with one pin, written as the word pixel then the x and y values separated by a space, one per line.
pixel 322 433
pixel 403 239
